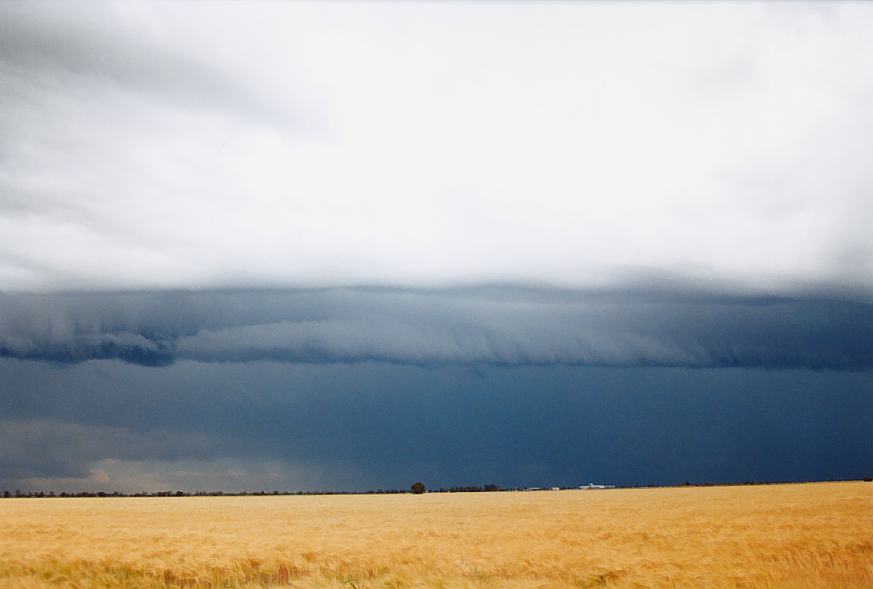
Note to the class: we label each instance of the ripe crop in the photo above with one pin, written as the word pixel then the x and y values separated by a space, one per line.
pixel 802 535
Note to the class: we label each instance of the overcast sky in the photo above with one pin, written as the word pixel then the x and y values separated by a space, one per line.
pixel 572 144
pixel 250 245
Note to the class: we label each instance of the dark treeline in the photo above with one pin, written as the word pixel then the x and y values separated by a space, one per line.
pixel 51 494
pixel 456 489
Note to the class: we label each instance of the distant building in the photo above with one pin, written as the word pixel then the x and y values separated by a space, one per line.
pixel 594 486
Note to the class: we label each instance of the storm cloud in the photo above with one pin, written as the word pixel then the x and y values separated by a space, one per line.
pixel 273 425
pixel 501 326
pixel 351 245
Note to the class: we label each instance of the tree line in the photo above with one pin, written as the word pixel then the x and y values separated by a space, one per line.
pixel 414 489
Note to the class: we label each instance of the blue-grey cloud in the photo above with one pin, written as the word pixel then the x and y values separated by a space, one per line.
pixel 34 448
pixel 499 326
pixel 378 425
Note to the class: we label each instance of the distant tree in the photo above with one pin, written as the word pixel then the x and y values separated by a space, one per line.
pixel 417 488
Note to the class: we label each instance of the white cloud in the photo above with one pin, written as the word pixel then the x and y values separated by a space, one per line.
pixel 190 145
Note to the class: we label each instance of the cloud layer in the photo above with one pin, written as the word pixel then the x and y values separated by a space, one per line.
pixel 374 425
pixel 502 326
pixel 309 245
pixel 298 145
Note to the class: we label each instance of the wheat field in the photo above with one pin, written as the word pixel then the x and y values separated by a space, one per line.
pixel 805 535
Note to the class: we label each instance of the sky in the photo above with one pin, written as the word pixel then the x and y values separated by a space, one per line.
pixel 354 245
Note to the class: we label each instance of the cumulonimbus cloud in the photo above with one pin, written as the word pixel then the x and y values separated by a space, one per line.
pixel 501 326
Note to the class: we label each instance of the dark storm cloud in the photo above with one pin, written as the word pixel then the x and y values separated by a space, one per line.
pixel 48 448
pixel 368 425
pixel 498 326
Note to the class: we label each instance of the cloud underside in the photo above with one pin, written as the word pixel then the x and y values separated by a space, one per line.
pixel 499 326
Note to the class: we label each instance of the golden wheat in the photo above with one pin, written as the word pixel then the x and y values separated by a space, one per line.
pixel 811 535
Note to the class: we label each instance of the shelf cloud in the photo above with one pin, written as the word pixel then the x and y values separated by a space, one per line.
pixel 501 326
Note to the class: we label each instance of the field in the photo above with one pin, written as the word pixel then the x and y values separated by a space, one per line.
pixel 810 535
